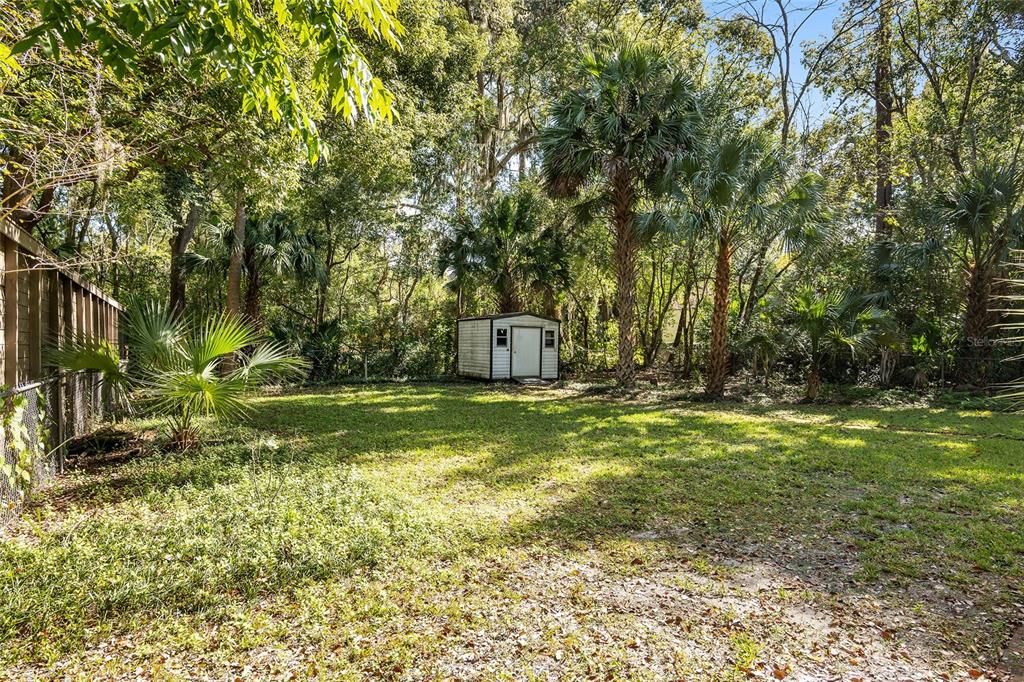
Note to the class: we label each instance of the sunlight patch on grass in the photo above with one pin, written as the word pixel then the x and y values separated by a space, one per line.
pixel 397 513
pixel 843 442
pixel 407 408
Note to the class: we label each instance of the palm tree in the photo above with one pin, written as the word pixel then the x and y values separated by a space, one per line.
pixel 272 246
pixel 508 248
pixel 731 189
pixel 185 371
pixel 548 268
pixel 457 260
pixel 834 324
pixel 984 210
pixel 742 189
pixel 504 237
pixel 621 137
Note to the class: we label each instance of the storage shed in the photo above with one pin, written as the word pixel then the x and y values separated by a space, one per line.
pixel 509 346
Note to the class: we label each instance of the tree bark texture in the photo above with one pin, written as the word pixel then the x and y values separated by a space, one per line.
pixel 883 124
pixel 234 304
pixel 626 248
pixel 179 245
pixel 718 358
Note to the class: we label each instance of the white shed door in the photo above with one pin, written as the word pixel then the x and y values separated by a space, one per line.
pixel 526 351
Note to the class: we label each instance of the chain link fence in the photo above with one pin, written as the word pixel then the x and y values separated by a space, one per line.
pixel 39 419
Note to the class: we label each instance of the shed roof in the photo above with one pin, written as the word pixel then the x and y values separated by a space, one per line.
pixel 504 315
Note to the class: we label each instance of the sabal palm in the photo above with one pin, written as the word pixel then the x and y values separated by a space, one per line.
pixel 798 225
pixel 505 236
pixel 508 248
pixel 833 324
pixel 457 259
pixel 548 267
pixel 620 138
pixel 272 245
pixel 741 189
pixel 182 369
pixel 985 210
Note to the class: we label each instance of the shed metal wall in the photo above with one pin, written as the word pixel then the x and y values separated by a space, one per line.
pixel 474 358
pixel 503 356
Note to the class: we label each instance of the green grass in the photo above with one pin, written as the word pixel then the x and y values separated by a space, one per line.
pixel 470 531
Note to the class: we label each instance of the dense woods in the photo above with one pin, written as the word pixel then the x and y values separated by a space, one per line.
pixel 824 194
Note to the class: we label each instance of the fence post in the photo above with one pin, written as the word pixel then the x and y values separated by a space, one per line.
pixel 54 337
pixel 79 312
pixel 35 320
pixel 10 313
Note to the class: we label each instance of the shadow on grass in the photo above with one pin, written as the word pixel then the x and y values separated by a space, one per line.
pixel 847 497
pixel 760 472
pixel 891 501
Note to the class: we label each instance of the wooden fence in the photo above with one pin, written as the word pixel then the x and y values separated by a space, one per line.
pixel 42 305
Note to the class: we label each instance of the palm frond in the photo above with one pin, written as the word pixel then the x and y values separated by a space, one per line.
pixel 270 360
pixel 655 222
pixel 201 394
pixel 88 354
pixel 1013 393
pixel 155 334
pixel 218 338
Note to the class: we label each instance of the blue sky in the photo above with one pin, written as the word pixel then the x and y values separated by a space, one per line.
pixel 817 26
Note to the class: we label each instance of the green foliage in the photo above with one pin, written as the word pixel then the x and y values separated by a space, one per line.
pixel 833 324
pixel 984 209
pixel 18 465
pixel 243 43
pixel 636 115
pixel 384 506
pixel 513 247
pixel 187 370
pixel 182 550
pixel 88 354
pixel 617 142
pixel 670 125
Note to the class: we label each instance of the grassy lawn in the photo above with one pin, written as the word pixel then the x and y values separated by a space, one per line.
pixel 487 533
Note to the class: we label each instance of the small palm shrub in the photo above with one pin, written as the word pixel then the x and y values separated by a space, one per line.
pixel 181 369
pixel 833 324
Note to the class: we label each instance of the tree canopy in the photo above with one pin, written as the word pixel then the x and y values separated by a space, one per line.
pixel 665 179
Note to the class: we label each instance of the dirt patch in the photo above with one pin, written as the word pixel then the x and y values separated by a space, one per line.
pixel 105 448
pixel 672 622
pixel 1011 661
pixel 92 467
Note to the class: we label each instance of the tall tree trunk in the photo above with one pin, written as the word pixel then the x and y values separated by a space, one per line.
pixel 626 249
pixel 883 124
pixel 115 270
pixel 978 319
pixel 646 325
pixel 234 304
pixel 508 298
pixel 586 337
pixel 253 286
pixel 625 304
pixel 814 380
pixel 682 331
pixel 179 245
pixel 718 358
pixel 18 201
pixel 753 298
pixel 680 328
